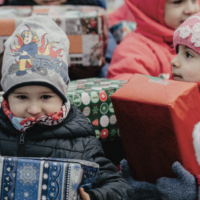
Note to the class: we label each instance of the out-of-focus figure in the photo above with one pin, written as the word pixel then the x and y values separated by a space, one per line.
pixel 4 2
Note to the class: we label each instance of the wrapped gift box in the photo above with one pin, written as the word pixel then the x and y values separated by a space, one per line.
pixel 15 11
pixel 85 26
pixel 92 97
pixel 45 178
pixel 156 118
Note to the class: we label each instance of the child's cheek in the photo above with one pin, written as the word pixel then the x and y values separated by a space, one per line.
pixel 192 75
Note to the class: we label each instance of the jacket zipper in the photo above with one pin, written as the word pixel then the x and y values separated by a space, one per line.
pixel 21 139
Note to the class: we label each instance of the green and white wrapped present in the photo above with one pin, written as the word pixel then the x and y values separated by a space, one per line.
pixel 92 97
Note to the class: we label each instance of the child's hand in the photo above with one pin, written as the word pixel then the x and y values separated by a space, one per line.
pixel 140 190
pixel 182 187
pixel 84 195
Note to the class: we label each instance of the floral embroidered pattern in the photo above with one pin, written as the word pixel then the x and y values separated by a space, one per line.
pixel 196 28
pixel 196 40
pixel 186 31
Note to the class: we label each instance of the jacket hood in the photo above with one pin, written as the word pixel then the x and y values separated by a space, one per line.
pixel 150 19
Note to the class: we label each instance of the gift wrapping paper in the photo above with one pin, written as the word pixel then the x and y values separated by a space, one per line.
pixel 156 118
pixel 92 97
pixel 45 178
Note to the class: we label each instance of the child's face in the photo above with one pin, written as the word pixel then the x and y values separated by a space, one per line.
pixel 29 101
pixel 186 65
pixel 177 11
pixel 50 2
pixel 28 38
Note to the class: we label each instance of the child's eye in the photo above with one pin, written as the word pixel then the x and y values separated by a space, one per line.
pixel 188 55
pixel 45 97
pixel 178 2
pixel 22 97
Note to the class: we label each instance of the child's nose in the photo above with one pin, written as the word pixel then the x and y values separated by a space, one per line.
pixel 175 62
pixel 191 8
pixel 34 109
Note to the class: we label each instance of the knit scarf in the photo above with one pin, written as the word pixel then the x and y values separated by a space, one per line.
pixel 22 124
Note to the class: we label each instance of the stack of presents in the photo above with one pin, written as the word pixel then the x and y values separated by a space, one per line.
pixel 153 117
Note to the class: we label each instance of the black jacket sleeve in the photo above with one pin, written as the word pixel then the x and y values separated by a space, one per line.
pixel 111 186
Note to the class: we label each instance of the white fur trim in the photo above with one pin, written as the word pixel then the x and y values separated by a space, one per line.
pixel 196 141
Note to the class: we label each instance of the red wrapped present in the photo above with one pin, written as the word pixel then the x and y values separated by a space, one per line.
pixel 156 118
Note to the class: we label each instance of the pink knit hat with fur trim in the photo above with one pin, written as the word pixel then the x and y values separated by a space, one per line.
pixel 188 33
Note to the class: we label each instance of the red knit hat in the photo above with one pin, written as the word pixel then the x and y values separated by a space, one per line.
pixel 188 33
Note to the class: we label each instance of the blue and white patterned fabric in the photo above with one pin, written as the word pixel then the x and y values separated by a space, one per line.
pixel 45 178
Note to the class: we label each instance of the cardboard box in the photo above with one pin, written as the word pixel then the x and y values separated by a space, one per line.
pixel 45 178
pixel 156 118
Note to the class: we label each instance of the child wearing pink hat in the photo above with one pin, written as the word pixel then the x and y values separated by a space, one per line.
pixel 185 67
